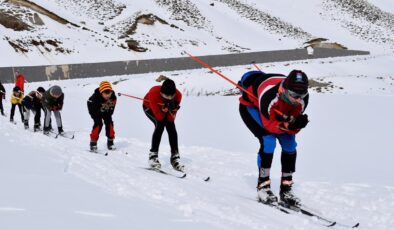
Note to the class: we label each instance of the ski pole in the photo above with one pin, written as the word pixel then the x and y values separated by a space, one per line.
pixel 256 66
pixel 221 75
pixel 134 97
pixel 127 95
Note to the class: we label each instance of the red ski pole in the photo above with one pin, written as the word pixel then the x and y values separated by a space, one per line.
pixel 220 74
pixel 134 97
pixel 123 94
pixel 256 66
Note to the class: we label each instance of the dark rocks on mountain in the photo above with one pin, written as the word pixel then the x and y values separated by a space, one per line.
pixel 146 19
pixel 13 22
pixel 134 45
pixel 18 48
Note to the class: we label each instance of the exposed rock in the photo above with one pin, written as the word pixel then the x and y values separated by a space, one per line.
pixel 147 19
pixel 134 45
pixel 322 43
pixel 41 10
pixel 13 22
pixel 37 20
pixel 18 48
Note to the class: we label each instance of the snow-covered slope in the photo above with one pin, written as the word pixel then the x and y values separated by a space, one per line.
pixel 80 31
pixel 343 170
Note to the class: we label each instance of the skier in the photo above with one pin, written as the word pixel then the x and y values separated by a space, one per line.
pixel 32 102
pixel 16 100
pixel 2 97
pixel 275 111
pixel 101 106
pixel 52 101
pixel 160 105
pixel 20 81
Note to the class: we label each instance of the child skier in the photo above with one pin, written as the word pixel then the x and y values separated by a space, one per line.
pixel 274 110
pixel 2 97
pixel 32 102
pixel 52 101
pixel 101 106
pixel 160 105
pixel 16 100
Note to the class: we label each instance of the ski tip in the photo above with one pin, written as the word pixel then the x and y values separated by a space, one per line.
pixel 332 224
pixel 183 176
pixel 207 179
pixel 356 225
pixel 106 154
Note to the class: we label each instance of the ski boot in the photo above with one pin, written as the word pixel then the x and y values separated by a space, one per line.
pixel 93 146
pixel 110 144
pixel 286 193
pixel 264 192
pixel 46 130
pixel 12 120
pixel 37 127
pixel 26 124
pixel 60 130
pixel 154 160
pixel 175 162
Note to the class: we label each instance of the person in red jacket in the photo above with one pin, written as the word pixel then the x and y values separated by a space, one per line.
pixel 274 110
pixel 161 105
pixel 20 81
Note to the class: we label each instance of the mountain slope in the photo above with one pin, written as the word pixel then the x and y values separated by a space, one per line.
pixel 57 32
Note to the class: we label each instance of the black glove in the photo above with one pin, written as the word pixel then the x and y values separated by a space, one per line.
pixel 299 122
pixel 171 105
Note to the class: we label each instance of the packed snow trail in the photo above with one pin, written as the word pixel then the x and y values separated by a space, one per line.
pixel 214 142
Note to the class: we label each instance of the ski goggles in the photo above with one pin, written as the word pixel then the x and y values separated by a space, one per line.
pixel 297 95
pixel 167 97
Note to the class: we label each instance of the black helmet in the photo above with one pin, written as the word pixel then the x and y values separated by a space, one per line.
pixel 168 87
pixel 41 89
pixel 296 81
pixel 16 89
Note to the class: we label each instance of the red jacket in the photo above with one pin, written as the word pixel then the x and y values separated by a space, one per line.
pixel 20 82
pixel 271 106
pixel 154 101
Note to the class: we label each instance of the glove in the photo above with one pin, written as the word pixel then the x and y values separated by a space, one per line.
pixel 171 105
pixel 299 122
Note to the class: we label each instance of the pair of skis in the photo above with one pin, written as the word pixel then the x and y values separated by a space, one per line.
pixel 68 134
pixel 106 152
pixel 290 209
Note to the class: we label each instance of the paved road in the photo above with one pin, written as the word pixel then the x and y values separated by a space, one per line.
pixel 73 71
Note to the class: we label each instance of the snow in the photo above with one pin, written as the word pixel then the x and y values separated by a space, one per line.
pixel 344 164
pixel 343 168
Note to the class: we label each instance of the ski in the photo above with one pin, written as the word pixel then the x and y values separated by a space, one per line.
pixel 181 176
pixel 69 135
pixel 204 178
pixel 304 211
pixel 104 153
pixel 275 205
pixel 51 134
pixel 115 150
